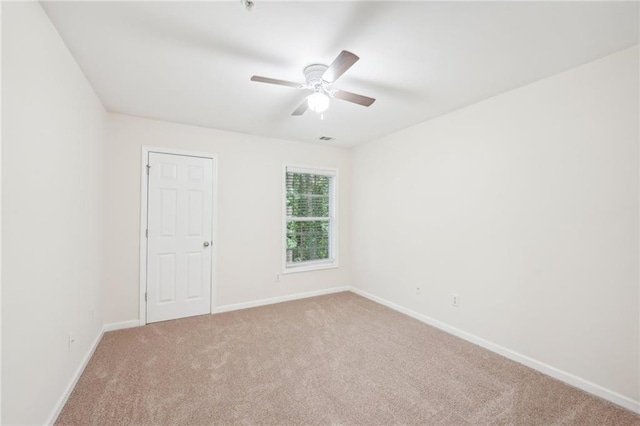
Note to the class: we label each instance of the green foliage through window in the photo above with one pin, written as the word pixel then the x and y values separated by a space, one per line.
pixel 309 204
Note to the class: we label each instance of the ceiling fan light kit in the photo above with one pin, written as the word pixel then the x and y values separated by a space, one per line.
pixel 318 78
pixel 318 102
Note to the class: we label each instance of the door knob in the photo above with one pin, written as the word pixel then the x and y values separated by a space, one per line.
pixel 206 244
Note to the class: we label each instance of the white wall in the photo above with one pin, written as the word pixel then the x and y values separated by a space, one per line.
pixel 526 205
pixel 249 211
pixel 52 199
pixel 0 217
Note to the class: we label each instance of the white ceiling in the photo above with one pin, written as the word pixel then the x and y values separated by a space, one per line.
pixel 190 62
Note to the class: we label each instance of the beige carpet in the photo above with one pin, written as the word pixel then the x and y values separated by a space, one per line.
pixel 338 359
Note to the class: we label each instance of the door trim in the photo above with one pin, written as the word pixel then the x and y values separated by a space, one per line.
pixel 142 311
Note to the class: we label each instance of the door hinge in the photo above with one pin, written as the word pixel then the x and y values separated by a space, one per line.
pixel 145 296
pixel 148 167
pixel 146 233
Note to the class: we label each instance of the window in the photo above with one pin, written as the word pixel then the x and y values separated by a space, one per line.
pixel 310 222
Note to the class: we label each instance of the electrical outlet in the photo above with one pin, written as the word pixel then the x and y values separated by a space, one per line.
pixel 455 300
pixel 418 290
pixel 277 277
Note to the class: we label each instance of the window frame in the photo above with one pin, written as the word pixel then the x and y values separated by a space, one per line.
pixel 311 265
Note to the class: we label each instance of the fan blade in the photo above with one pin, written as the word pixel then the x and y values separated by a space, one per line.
pixel 353 97
pixel 340 65
pixel 275 81
pixel 302 108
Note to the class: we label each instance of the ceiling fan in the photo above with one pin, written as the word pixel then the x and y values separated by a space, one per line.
pixel 318 79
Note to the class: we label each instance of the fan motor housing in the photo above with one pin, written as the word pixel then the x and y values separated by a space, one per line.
pixel 313 74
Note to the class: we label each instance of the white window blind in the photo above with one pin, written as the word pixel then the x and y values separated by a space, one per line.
pixel 310 216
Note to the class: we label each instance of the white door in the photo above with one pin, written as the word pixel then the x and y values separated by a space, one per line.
pixel 179 223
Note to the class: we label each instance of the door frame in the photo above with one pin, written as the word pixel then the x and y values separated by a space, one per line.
pixel 144 194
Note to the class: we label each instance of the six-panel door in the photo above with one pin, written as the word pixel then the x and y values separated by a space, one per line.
pixel 179 259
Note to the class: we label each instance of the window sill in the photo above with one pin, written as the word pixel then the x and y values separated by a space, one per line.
pixel 311 266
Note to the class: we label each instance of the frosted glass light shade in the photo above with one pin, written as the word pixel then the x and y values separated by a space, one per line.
pixel 318 102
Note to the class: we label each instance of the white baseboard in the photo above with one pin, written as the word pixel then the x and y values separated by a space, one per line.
pixel 556 373
pixel 234 307
pixel 280 299
pixel 563 376
pixel 121 325
pixel 74 380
